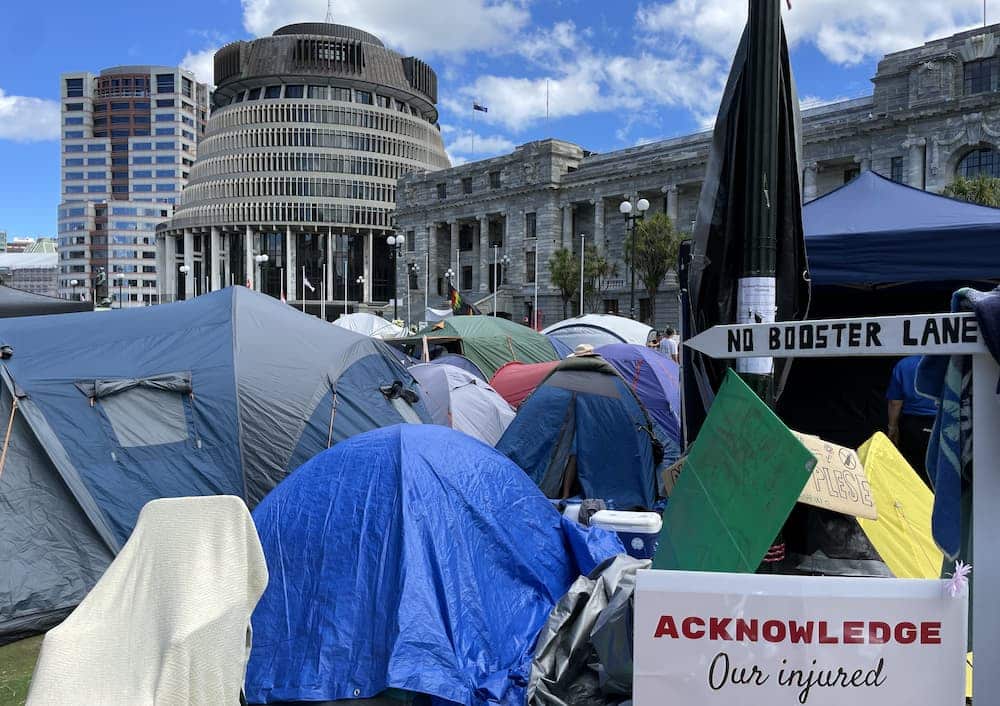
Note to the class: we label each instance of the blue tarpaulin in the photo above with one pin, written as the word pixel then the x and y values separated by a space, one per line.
pixel 875 231
pixel 414 558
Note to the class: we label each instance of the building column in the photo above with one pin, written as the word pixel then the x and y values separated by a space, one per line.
pixel 599 223
pixel 915 175
pixel 809 190
pixel 485 261
pixel 291 250
pixel 431 261
pixel 248 263
pixel 330 271
pixel 189 291
pixel 169 272
pixel 454 245
pixel 215 245
pixel 672 203
pixel 567 226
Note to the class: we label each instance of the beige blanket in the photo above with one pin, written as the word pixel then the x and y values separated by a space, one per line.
pixel 169 622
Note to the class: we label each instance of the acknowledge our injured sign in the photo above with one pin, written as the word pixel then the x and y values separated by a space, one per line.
pixel 751 640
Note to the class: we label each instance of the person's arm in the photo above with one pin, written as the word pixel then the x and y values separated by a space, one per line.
pixel 895 408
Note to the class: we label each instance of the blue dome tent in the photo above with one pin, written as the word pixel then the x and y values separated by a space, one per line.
pixel 654 378
pixel 412 558
pixel 584 432
pixel 224 394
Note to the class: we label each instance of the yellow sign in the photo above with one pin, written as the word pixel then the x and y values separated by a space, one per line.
pixel 902 532
pixel 838 482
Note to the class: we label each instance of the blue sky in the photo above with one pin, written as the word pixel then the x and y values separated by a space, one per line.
pixel 619 72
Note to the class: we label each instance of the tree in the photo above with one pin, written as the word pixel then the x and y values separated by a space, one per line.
pixel 983 190
pixel 598 271
pixel 657 244
pixel 564 271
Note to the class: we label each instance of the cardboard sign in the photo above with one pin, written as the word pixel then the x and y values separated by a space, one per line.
pixel 741 479
pixel 749 640
pixel 838 482
pixel 923 334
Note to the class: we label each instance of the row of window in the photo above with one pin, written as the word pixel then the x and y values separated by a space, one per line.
pixel 336 139
pixel 336 93
pixel 298 162
pixel 289 186
pixel 290 113
pixel 288 212
pixel 493 178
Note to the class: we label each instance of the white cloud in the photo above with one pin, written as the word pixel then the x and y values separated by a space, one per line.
pixel 516 102
pixel 588 82
pixel 468 142
pixel 424 27
pixel 202 63
pixel 27 119
pixel 845 31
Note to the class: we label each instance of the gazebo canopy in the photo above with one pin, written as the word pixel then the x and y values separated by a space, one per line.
pixel 875 231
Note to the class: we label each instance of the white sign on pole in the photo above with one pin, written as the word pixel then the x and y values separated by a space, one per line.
pixel 749 640
pixel 923 334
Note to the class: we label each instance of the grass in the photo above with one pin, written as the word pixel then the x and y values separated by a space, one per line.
pixel 17 661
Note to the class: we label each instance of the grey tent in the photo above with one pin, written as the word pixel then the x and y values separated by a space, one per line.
pixel 17 302
pixel 221 395
pixel 458 399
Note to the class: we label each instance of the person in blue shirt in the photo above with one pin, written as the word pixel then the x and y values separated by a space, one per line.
pixel 911 415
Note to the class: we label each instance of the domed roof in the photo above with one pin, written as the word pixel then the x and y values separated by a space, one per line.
pixel 326 29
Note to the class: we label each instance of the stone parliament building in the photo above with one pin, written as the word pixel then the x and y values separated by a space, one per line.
pixel 934 114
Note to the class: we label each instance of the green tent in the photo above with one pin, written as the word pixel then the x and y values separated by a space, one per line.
pixel 488 341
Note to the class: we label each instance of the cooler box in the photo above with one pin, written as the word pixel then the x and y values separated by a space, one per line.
pixel 639 531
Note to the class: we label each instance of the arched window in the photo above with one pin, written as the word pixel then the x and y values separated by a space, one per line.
pixel 980 162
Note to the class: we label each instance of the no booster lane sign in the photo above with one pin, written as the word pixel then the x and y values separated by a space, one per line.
pixel 923 334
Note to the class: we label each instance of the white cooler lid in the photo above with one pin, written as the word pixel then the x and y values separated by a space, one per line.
pixel 623 521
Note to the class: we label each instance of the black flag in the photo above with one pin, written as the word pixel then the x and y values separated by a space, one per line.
pixel 717 256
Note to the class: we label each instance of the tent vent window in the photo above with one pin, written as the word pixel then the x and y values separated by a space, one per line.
pixel 143 412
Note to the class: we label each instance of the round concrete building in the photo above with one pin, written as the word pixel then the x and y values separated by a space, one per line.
pixel 296 173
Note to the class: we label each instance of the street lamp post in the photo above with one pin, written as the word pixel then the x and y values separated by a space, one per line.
pixel 631 220
pixel 414 268
pixel 74 283
pixel 261 259
pixel 395 243
pixel 184 269
pixel 360 281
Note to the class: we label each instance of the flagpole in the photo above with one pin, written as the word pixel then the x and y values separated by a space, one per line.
pixel 474 129
pixel 427 282
pixel 546 101
pixel 583 237
pixel 347 260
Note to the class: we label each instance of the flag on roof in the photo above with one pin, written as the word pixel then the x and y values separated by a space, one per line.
pixel 307 283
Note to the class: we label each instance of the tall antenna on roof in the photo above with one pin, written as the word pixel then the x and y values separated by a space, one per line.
pixel 329 12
